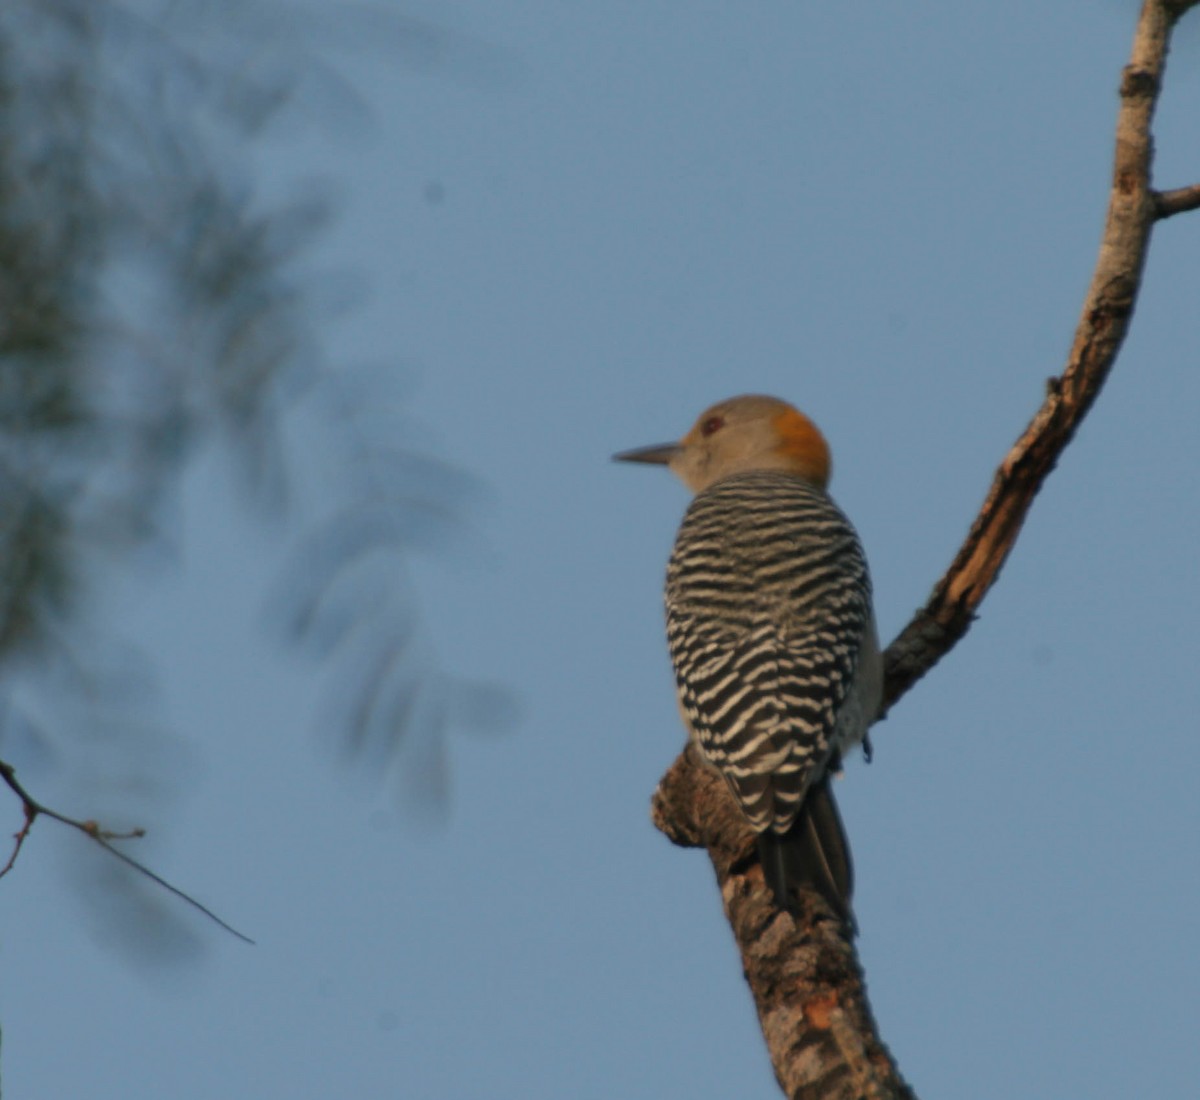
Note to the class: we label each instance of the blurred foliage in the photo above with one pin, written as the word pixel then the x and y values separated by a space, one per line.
pixel 149 302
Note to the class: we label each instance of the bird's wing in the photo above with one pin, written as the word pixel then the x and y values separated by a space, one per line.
pixel 764 622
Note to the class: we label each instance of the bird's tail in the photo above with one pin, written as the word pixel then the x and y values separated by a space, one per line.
pixel 813 852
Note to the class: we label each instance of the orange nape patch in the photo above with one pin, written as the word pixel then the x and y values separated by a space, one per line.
pixel 803 444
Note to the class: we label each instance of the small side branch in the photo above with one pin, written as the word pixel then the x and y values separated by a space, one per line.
pixel 1178 201
pixel 104 837
pixel 31 811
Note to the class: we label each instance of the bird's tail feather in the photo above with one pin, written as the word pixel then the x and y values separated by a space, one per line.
pixel 814 852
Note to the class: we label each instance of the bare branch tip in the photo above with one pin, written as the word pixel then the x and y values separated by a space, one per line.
pixel 1179 200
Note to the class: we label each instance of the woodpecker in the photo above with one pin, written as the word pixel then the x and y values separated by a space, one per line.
pixel 771 632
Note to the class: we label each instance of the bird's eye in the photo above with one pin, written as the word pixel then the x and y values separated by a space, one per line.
pixel 712 424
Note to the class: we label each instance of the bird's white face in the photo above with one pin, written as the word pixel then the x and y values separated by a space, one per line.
pixel 750 433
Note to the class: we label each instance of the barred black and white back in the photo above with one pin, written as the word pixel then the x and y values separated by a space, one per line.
pixel 771 633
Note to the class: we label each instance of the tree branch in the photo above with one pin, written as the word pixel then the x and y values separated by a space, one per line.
pixel 1107 310
pixel 1178 201
pixel 804 974
pixel 103 837
pixel 808 986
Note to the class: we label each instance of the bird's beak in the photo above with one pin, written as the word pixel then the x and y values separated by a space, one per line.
pixel 658 455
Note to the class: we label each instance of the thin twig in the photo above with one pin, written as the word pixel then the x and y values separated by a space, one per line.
pixel 103 837
pixel 30 816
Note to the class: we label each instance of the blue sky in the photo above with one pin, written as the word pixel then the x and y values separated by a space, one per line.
pixel 884 213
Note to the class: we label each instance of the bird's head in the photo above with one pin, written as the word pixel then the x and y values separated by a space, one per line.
pixel 742 434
